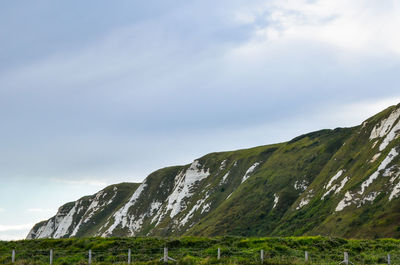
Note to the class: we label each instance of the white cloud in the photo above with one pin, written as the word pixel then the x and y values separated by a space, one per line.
pixel 358 26
pixel 4 228
pixel 116 105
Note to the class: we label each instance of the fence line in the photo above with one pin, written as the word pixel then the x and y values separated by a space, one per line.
pixel 255 255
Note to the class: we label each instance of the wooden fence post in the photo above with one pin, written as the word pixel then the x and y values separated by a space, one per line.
pixel 51 257
pixel 90 256
pixel 166 258
pixel 346 258
pixel 219 254
pixel 13 256
pixel 129 256
pixel 306 256
pixel 262 256
pixel 165 255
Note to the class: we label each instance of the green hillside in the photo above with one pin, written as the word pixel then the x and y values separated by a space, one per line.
pixel 343 182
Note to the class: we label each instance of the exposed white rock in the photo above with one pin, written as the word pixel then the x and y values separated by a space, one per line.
pixel 225 177
pixel 344 181
pixel 190 214
pixel 393 172
pixel 223 165
pixel 392 179
pixel 375 157
pixel 369 198
pixel 78 226
pixel 346 201
pixel 276 200
pixel 112 198
pixel 135 224
pixel 68 223
pixel 96 205
pixel 303 202
pixel 329 191
pixel 249 171
pixel 65 224
pixel 392 154
pixel 80 209
pixel 395 192
pixel 300 185
pixel 44 231
pixel 385 125
pixel 364 124
pixel 335 177
pixel 121 217
pixel 206 208
pixel 183 187
pixel 393 134
pixel 368 182
pixel 336 188
pixel 155 206
pixel 158 216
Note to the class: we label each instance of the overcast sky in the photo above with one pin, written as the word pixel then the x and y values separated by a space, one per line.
pixel 98 92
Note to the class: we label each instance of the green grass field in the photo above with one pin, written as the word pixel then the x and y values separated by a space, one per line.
pixel 200 250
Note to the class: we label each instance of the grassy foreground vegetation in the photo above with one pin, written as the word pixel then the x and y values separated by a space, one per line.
pixel 200 250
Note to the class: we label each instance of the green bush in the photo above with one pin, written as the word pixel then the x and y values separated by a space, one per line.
pixel 200 250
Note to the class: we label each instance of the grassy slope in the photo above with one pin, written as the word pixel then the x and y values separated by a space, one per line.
pixel 380 219
pixel 125 191
pixel 249 211
pixel 201 250
pixel 314 157
pixel 161 178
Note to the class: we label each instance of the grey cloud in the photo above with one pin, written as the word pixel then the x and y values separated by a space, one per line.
pixel 141 86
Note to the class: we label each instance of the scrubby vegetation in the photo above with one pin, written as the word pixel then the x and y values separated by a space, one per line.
pixel 200 250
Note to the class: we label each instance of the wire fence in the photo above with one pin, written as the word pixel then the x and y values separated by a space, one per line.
pixel 222 255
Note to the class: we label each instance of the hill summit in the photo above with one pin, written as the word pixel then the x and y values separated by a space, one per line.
pixel 342 182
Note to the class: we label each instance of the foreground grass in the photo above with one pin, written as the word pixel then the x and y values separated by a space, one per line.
pixel 199 250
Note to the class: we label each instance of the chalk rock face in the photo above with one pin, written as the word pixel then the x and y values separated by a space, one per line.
pixel 82 217
pixel 341 182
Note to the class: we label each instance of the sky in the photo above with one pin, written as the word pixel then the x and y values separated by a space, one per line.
pixel 99 92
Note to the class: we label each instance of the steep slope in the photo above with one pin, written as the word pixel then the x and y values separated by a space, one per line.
pixel 257 208
pixel 83 217
pixel 342 182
